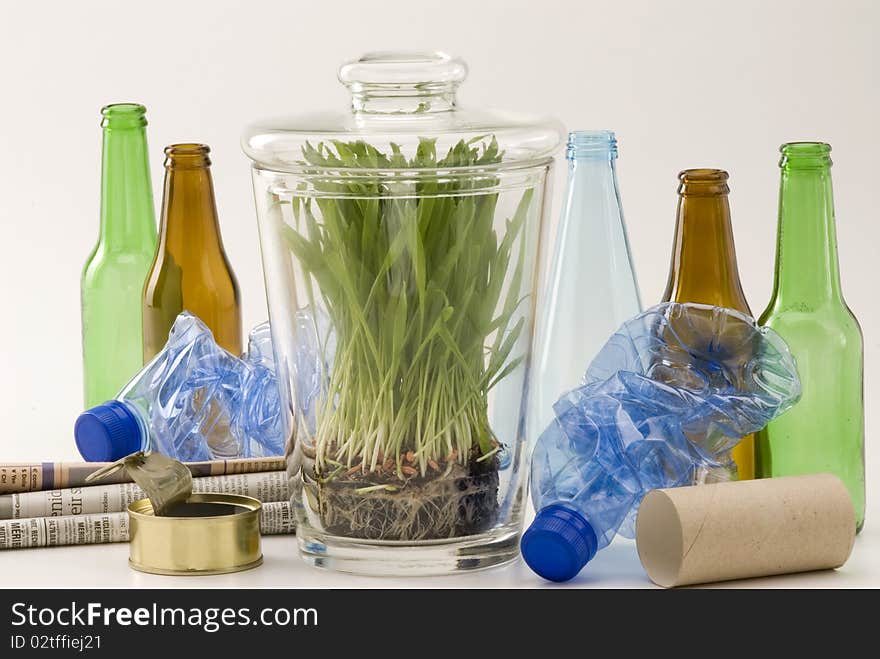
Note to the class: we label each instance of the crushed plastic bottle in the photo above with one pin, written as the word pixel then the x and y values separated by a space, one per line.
pixel 194 401
pixel 260 419
pixel 669 394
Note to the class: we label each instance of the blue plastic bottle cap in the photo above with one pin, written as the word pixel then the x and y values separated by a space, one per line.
pixel 558 543
pixel 108 432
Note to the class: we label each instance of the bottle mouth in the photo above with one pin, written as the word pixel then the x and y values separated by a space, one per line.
pixel 805 155
pixel 584 144
pixel 187 155
pixel 123 115
pixel 703 182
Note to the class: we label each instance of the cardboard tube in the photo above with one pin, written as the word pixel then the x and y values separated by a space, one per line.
pixel 743 529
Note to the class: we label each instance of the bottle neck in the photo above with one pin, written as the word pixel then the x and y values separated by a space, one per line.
pixel 592 171
pixel 703 267
pixel 806 250
pixel 598 174
pixel 189 213
pixel 592 184
pixel 127 213
pixel 144 439
pixel 591 245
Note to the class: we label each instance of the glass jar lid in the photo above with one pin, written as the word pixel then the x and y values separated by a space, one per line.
pixel 403 115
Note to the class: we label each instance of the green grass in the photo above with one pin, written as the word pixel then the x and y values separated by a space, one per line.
pixel 413 286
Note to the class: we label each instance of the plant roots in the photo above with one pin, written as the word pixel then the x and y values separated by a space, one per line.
pixel 463 500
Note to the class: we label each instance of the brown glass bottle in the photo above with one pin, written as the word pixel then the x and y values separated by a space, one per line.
pixel 703 267
pixel 190 270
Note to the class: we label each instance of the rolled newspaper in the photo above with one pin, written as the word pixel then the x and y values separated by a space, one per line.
pixel 39 476
pixel 269 486
pixel 275 518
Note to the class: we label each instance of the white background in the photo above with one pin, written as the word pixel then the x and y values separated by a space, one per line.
pixel 684 84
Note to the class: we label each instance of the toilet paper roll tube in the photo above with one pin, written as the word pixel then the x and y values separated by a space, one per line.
pixel 744 529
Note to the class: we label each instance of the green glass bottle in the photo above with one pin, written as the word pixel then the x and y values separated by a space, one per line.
pixel 824 432
pixel 114 274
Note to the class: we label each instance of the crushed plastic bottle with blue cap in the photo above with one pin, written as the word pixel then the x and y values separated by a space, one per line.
pixel 664 401
pixel 194 401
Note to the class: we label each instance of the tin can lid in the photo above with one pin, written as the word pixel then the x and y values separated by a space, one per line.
pixel 164 480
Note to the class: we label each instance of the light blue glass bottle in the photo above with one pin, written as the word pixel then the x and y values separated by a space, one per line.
pixel 591 285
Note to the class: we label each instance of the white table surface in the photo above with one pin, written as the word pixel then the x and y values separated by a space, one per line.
pixel 105 566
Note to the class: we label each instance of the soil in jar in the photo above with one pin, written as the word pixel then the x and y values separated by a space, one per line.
pixel 397 502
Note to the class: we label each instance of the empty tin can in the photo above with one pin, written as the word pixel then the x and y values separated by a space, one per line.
pixel 205 534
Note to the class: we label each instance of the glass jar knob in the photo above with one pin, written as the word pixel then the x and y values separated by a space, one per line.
pixel 403 82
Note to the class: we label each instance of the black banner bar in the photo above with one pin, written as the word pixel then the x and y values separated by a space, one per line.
pixel 401 623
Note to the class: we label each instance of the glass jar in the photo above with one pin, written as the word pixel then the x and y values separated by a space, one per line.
pixel 400 247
